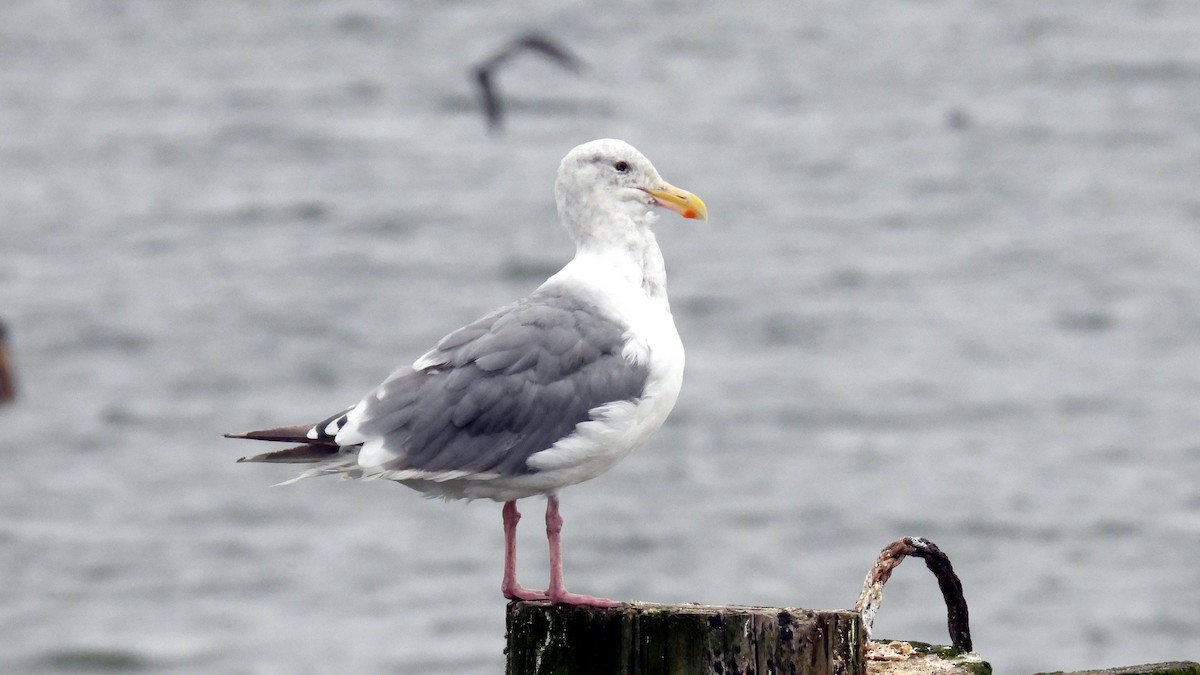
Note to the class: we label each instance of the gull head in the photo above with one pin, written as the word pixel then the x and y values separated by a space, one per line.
pixel 609 180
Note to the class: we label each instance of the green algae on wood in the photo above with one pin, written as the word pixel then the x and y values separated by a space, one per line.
pixel 894 657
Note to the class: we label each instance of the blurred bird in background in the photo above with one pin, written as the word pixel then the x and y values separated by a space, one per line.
pixel 485 71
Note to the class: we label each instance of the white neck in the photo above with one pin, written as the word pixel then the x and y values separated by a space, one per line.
pixel 622 250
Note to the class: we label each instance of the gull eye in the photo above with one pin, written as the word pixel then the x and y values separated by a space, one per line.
pixel 621 166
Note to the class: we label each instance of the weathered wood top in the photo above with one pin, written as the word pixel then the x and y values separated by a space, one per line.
pixel 652 639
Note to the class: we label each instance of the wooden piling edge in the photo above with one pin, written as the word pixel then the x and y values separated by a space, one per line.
pixel 1169 668
pixel 654 639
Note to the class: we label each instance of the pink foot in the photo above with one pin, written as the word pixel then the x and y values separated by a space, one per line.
pixel 519 592
pixel 564 598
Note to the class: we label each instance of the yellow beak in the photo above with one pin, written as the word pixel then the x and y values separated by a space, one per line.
pixel 680 201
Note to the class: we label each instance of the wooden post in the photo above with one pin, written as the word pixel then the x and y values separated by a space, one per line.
pixel 1170 668
pixel 648 639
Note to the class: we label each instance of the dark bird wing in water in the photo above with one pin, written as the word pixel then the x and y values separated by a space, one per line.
pixel 485 71
pixel 8 383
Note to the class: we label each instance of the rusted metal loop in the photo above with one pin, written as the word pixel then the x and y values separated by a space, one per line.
pixel 869 601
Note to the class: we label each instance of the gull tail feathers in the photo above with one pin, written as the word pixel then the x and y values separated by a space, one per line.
pixel 345 466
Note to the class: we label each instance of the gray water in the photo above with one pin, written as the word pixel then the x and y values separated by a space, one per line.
pixel 950 288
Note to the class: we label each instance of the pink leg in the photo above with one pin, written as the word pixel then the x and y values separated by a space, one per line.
pixel 511 589
pixel 558 590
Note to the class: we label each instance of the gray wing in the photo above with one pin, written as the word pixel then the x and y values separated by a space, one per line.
pixel 509 385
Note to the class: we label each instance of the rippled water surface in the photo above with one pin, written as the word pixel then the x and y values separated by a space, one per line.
pixel 950 288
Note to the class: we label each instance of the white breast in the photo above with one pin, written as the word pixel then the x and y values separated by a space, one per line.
pixel 652 340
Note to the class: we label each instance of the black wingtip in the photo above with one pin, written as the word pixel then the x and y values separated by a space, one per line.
pixel 300 454
pixel 293 434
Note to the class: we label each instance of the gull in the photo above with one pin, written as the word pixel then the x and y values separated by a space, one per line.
pixel 547 392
